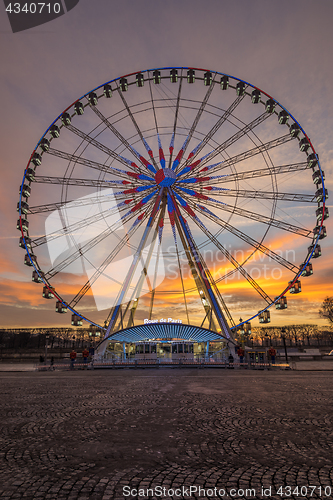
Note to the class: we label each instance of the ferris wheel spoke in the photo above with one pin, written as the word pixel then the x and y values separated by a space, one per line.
pixel 267 195
pixel 195 123
pixel 232 260
pixel 98 166
pixel 214 129
pixel 80 202
pixel 248 154
pixel 171 148
pixel 270 221
pixel 238 135
pixel 101 198
pixel 250 174
pixel 130 114
pixel 123 141
pixel 92 243
pixel 248 239
pixel 86 222
pixel 122 243
pixel 101 147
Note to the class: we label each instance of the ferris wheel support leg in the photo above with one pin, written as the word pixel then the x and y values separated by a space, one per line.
pixel 196 276
pixel 129 276
pixel 211 297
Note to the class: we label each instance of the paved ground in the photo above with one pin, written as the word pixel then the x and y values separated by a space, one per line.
pixel 87 435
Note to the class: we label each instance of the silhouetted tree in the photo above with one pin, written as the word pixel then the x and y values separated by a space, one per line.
pixel 326 310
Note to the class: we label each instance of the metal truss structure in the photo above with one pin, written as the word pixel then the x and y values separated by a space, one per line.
pixel 144 187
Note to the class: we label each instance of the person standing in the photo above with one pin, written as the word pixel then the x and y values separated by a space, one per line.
pixel 72 357
pixel 272 354
pixel 85 354
pixel 241 353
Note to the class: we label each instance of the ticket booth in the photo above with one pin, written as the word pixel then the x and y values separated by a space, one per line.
pixel 145 350
pixel 182 351
pixel 257 356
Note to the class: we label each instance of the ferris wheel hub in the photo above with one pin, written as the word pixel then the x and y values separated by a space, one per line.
pixel 165 177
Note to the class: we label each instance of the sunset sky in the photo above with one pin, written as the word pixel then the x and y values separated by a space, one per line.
pixel 282 47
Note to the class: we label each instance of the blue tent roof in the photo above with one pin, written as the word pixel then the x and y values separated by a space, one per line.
pixel 165 331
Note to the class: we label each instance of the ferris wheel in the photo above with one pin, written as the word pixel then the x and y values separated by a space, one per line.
pixel 172 191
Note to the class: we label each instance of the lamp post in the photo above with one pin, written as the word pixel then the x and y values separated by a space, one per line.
pixel 47 335
pixel 283 331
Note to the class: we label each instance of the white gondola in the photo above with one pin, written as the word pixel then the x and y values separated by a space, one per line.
pixel 283 117
pixel 78 108
pixel 61 308
pixel 36 159
pixel 247 328
pixel 156 76
pixel 304 144
pixel 139 80
pixel 320 194
pixel 281 303
pixel 37 277
pixel 30 174
pixel 44 144
pixel 66 119
pixel 321 230
pixel 312 160
pixel 48 292
pixel 316 251
pixel 294 130
pixel 173 76
pixel 107 90
pixel 295 287
pixel 318 176
pixel 224 82
pixel 255 96
pixel 319 213
pixel 25 224
pixel 26 190
pixel 240 88
pixel 123 84
pixel 190 76
pixel 270 105
pixel 76 320
pixel 55 131
pixel 24 207
pixel 25 242
pixel 93 99
pixel 30 260
pixel 264 317
pixel 208 78
pixel 308 269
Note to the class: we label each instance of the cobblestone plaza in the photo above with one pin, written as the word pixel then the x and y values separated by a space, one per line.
pixel 116 433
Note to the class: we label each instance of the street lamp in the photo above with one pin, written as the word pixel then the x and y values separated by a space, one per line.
pixel 283 331
pixel 270 339
pixel 47 336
